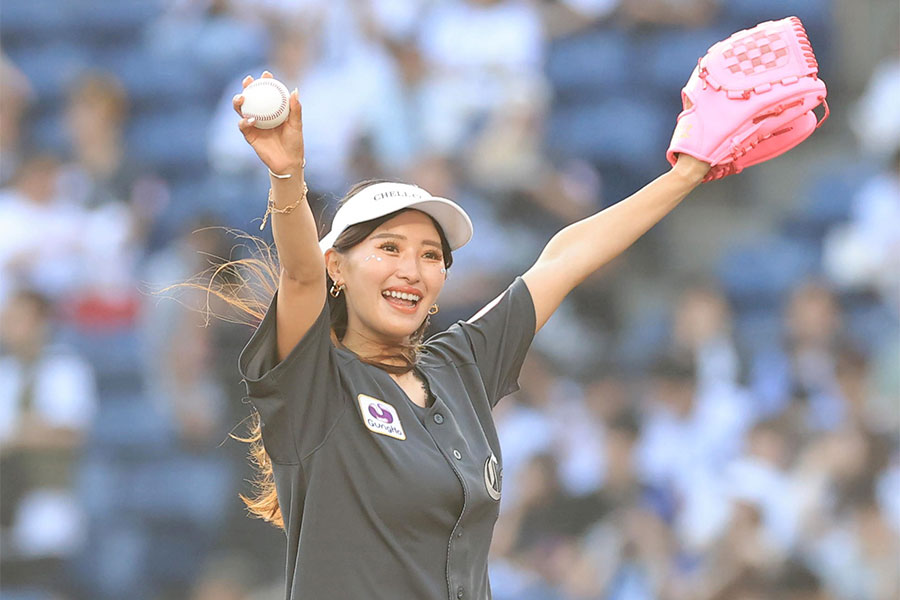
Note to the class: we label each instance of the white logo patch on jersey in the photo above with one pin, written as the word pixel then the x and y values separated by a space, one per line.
pixel 493 477
pixel 380 417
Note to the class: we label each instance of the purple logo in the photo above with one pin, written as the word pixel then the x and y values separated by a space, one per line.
pixel 380 414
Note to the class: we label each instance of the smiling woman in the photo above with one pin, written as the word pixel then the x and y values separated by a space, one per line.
pixel 380 256
pixel 377 450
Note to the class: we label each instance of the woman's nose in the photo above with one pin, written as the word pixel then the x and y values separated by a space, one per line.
pixel 408 267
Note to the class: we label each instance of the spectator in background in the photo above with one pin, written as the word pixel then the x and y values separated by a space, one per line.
pixel 346 121
pixel 863 254
pixel 706 425
pixel 47 403
pixel 41 234
pixel 747 586
pixel 15 94
pixel 121 199
pixel 799 377
pixel 179 345
pixel 761 477
pixel 680 13
pixel 101 174
pixel 875 122
pixel 217 40
pixel 703 328
pixel 857 556
pixel 480 54
pixel 797 582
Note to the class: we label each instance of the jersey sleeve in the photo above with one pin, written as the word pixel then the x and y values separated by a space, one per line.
pixel 497 339
pixel 296 398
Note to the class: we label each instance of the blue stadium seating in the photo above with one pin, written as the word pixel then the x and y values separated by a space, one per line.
pixel 113 20
pixel 112 565
pixel 871 325
pixel 757 330
pixel 816 16
pixel 154 83
pixel 181 487
pixel 589 65
pixel 669 56
pixel 617 131
pixel 130 424
pixel 50 68
pixel 760 273
pixel 171 143
pixel 26 22
pixel 115 356
pixel 827 201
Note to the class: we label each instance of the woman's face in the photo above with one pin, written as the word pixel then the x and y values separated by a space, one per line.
pixel 391 278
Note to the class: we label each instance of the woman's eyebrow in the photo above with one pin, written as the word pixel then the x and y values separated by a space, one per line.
pixel 398 236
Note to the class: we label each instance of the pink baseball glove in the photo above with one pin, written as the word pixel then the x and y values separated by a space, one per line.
pixel 750 98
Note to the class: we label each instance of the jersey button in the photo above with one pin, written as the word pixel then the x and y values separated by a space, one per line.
pixel 460 592
pixel 459 533
pixel 457 455
pixel 438 418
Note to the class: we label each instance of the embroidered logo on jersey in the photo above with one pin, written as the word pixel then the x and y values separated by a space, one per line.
pixel 380 417
pixel 493 477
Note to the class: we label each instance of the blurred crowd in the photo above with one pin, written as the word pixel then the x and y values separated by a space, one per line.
pixel 722 430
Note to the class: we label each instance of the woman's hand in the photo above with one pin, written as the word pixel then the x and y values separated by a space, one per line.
pixel 691 169
pixel 280 148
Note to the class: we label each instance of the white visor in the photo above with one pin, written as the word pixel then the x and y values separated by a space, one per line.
pixel 382 199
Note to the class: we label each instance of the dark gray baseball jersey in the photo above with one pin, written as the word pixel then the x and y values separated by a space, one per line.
pixel 383 499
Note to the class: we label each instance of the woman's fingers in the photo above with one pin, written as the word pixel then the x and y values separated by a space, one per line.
pixel 296 114
pixel 266 74
pixel 247 81
pixel 237 102
pixel 246 126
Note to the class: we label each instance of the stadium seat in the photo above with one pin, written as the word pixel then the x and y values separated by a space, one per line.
pixel 131 424
pixel 668 57
pixel 154 84
pixel 111 566
pixel 760 274
pixel 50 68
pixel 757 330
pixel 48 131
pixel 816 16
pixel 617 131
pixel 871 325
pixel 827 202
pixel 115 20
pixel 588 65
pixel 115 356
pixel 26 21
pixel 171 143
pixel 183 486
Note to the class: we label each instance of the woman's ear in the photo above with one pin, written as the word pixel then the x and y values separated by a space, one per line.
pixel 333 264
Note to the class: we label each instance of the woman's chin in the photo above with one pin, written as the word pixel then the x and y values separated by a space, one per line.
pixel 401 326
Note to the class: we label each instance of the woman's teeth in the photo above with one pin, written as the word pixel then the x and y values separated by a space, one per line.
pixel 401 296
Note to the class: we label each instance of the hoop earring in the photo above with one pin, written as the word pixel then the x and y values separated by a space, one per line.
pixel 434 309
pixel 336 290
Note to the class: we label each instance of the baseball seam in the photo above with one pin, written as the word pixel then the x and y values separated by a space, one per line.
pixel 279 110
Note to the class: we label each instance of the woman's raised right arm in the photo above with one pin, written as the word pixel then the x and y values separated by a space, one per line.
pixel 301 284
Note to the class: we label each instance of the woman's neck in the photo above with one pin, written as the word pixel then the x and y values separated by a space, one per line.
pixel 368 347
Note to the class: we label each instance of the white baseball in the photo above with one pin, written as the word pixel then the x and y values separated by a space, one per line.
pixel 267 100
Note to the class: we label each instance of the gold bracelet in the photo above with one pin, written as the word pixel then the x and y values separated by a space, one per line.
pixel 272 209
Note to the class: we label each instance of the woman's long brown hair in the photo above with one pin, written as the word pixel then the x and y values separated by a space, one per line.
pixel 247 286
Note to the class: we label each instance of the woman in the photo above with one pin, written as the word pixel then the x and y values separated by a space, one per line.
pixel 380 459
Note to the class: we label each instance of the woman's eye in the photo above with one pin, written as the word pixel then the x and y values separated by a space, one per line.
pixel 433 256
pixel 388 247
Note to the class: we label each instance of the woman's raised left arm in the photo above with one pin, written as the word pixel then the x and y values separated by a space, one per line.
pixel 583 247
